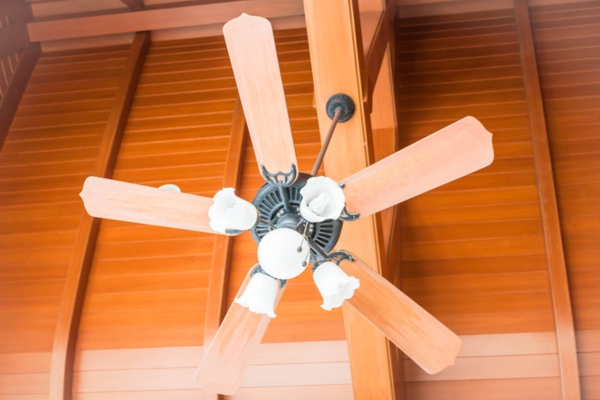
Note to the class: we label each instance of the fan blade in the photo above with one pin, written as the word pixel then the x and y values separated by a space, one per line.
pixel 253 55
pixel 225 362
pixel 417 333
pixel 450 153
pixel 122 201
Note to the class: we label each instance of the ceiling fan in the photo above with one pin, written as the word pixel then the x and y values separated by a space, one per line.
pixel 297 218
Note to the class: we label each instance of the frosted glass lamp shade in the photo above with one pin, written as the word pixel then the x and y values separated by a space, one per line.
pixel 259 296
pixel 334 285
pixel 229 212
pixel 169 187
pixel 278 253
pixel 322 199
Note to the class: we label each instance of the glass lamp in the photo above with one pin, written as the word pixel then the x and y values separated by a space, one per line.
pixel 322 199
pixel 334 285
pixel 230 213
pixel 259 296
pixel 169 187
pixel 283 253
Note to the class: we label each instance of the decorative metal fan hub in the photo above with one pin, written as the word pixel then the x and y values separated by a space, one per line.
pixel 273 213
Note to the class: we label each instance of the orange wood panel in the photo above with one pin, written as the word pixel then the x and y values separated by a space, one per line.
pixel 473 251
pixel 494 389
pixel 65 339
pixel 40 204
pixel 148 285
pixel 282 368
pixel 566 42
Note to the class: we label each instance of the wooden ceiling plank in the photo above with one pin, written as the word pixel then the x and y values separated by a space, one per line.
pixel 65 338
pixel 156 19
pixel 337 61
pixel 559 285
pixel 12 97
pixel 216 304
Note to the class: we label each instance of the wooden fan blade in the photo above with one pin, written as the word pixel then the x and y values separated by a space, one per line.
pixel 228 356
pixel 253 55
pixel 417 333
pixel 450 153
pixel 122 201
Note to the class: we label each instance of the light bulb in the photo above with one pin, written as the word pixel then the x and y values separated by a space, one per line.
pixel 229 212
pixel 334 285
pixel 322 199
pixel 283 253
pixel 259 296
pixel 169 187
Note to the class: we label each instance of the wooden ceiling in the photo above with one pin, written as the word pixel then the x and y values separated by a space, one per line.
pixel 507 257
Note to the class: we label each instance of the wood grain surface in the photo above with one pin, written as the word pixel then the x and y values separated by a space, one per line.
pixel 419 335
pixel 566 39
pixel 44 205
pixel 449 154
pixel 253 56
pixel 473 250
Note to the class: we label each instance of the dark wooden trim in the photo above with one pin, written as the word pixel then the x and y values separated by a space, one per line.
pixel 134 4
pixel 559 285
pixel 65 338
pixel 18 10
pixel 216 302
pixel 16 88
pixel 13 38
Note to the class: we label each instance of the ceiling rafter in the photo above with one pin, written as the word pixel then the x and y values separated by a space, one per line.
pixel 67 326
pixel 222 256
pixel 157 19
pixel 337 60
pixel 12 97
pixel 557 269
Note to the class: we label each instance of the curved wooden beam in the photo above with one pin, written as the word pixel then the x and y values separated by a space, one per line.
pixel 65 338
pixel 557 269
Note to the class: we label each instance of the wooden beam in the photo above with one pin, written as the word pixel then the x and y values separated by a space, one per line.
pixel 13 38
pixel 384 124
pixel 16 88
pixel 17 10
pixel 65 338
pixel 216 303
pixel 156 19
pixel 378 44
pixel 419 8
pixel 337 61
pixel 134 4
pixel 559 285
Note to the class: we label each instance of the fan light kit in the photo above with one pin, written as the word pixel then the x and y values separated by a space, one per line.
pixel 296 218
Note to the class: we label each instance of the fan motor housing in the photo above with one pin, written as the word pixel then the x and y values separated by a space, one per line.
pixel 271 206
